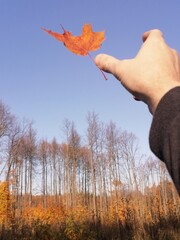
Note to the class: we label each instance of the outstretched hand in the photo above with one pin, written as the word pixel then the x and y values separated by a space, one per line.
pixel 152 73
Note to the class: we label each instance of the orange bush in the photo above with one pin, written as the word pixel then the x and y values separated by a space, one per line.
pixel 5 203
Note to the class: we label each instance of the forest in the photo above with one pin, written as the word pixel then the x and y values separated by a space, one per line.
pixel 92 187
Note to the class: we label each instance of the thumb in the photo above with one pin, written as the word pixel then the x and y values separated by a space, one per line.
pixel 119 68
pixel 109 64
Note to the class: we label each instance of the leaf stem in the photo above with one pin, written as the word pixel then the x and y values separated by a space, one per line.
pixel 63 28
pixel 97 66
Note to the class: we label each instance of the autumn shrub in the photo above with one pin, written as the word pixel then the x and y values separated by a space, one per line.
pixel 43 231
pixel 78 231
pixel 123 220
pixel 164 229
pixel 5 204
pixel 49 215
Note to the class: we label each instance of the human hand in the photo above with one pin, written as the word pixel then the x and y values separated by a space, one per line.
pixel 152 73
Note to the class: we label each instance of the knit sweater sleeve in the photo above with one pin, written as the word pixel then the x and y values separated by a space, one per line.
pixel 164 135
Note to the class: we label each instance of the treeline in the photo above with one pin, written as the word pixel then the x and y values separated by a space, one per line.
pixel 96 186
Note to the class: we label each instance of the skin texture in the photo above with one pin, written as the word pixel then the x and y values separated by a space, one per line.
pixel 151 74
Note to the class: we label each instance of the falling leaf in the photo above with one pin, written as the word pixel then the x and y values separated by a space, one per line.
pixel 83 44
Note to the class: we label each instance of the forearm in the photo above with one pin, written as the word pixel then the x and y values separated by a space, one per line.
pixel 165 133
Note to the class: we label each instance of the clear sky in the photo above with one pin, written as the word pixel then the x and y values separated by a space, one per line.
pixel 42 81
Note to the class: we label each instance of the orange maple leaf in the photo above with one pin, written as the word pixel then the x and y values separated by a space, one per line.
pixel 80 45
pixel 87 41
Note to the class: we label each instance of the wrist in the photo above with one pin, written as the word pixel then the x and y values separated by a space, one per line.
pixel 153 102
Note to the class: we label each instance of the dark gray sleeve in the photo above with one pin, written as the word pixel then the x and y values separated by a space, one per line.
pixel 164 135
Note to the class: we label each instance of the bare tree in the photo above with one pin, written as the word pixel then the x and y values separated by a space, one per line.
pixel 74 153
pixel 112 148
pixel 43 158
pixel 7 122
pixel 92 138
pixel 30 160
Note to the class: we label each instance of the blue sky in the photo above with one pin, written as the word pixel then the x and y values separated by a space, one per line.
pixel 42 81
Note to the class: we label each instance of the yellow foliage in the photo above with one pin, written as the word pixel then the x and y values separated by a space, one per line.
pixel 5 209
pixel 122 214
pixel 80 214
pixel 50 215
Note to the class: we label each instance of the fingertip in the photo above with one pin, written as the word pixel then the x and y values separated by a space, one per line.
pixel 106 62
pixel 102 62
pixel 99 59
pixel 145 35
pixel 153 32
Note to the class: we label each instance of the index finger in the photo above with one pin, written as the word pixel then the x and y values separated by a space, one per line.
pixel 152 33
